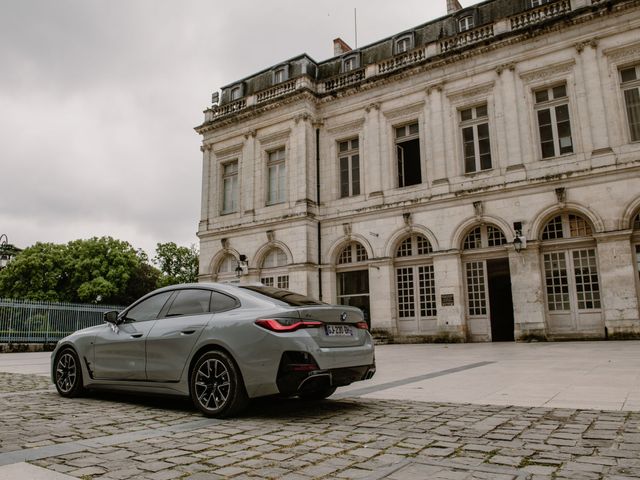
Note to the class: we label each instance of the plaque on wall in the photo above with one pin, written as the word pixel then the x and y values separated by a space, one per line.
pixel 446 300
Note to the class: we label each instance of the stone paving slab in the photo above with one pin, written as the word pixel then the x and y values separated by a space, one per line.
pixel 115 436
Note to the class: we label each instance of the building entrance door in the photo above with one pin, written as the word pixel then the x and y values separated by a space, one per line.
pixel 500 300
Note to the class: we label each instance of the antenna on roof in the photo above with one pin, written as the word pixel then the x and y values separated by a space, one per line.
pixel 355 24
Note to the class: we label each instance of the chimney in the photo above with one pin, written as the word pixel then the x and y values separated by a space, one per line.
pixel 340 47
pixel 452 6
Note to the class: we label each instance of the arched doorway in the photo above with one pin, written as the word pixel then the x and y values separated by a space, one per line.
pixel 415 286
pixel 352 273
pixel 572 286
pixel 488 284
pixel 274 271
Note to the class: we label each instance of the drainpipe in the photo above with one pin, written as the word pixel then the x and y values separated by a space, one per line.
pixel 318 206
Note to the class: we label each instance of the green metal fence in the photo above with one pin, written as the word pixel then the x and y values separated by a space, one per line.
pixel 25 321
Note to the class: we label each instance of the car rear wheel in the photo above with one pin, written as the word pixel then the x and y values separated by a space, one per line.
pixel 217 388
pixel 318 394
pixel 68 374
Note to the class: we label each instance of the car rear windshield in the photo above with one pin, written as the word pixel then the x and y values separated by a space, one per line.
pixel 290 298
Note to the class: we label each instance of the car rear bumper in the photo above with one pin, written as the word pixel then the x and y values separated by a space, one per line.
pixel 299 373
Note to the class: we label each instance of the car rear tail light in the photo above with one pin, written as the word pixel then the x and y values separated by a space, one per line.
pixel 362 325
pixel 286 324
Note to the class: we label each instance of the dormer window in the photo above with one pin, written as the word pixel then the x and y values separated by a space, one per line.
pixel 236 93
pixel 403 44
pixel 280 74
pixel 465 23
pixel 538 3
pixel 350 63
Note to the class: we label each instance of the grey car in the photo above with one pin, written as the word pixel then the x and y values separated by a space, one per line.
pixel 219 344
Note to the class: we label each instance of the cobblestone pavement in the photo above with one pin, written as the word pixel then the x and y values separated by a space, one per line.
pixel 111 436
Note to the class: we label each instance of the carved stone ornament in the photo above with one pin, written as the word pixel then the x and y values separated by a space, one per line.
pixel 542 74
pixel 304 117
pixel 271 235
pixel 593 43
pixel 405 111
pixel 561 195
pixel 460 96
pixel 436 87
pixel 622 54
pixel 348 127
pixel 224 242
pixel 250 133
pixel 346 227
pixel 478 208
pixel 511 66
pixel 372 106
pixel 406 217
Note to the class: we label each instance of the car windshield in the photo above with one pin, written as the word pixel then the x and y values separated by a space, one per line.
pixel 290 298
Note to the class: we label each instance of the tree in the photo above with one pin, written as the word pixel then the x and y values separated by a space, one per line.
pixel 177 264
pixel 97 270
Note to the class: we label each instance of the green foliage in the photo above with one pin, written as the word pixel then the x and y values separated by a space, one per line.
pixel 177 264
pixel 97 270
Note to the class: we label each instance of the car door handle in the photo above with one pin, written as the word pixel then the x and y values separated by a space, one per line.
pixel 136 335
pixel 187 332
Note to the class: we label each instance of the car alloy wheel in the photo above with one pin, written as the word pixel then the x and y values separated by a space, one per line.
pixel 68 374
pixel 217 388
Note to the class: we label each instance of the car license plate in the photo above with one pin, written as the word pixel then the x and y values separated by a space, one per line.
pixel 338 330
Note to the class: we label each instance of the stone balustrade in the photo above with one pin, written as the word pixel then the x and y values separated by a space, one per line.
pixel 467 38
pixel 409 58
pixel 540 14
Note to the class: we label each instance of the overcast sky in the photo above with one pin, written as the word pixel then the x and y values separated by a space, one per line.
pixel 98 100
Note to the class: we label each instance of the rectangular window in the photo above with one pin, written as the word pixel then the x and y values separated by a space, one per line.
pixel 630 78
pixel 426 281
pixel 476 144
pixel 230 187
pixel 406 300
pixel 408 155
pixel 476 294
pixel 277 177
pixel 537 3
pixel 267 281
pixel 552 110
pixel 349 158
pixel 557 281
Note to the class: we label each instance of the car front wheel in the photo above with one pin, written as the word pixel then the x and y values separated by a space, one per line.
pixel 68 374
pixel 217 389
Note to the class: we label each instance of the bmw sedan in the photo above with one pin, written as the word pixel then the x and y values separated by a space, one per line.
pixel 219 344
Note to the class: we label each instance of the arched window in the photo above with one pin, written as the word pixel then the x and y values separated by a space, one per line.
pixel 226 270
pixel 483 236
pixel 415 285
pixel 566 225
pixel 352 278
pixel 274 272
pixel 354 252
pixel 403 44
pixel 636 222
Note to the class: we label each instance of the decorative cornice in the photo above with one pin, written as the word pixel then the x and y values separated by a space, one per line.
pixel 275 137
pixel 621 54
pixel 346 127
pixel 463 95
pixel 541 74
pixel 404 111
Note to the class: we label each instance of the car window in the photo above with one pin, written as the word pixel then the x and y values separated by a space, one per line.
pixel 290 298
pixel 148 309
pixel 190 302
pixel 221 302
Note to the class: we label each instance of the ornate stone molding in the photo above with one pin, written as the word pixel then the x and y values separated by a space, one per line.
pixel 280 136
pixel 511 66
pixel 548 72
pixel 404 111
pixel 346 127
pixel 234 149
pixel 621 54
pixel 464 95
pixel 593 43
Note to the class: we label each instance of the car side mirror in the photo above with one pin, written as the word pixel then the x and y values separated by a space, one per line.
pixel 112 317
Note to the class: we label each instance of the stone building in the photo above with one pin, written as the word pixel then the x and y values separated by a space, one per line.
pixel 474 178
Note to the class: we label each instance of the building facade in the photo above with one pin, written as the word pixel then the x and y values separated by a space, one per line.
pixel 475 178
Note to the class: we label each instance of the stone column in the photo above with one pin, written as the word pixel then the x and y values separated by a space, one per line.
pixel 509 97
pixel 246 177
pixel 527 292
pixel 434 113
pixel 299 161
pixel 616 259
pixel 597 118
pixel 449 287
pixel 205 214
pixel 371 158
pixel 382 301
